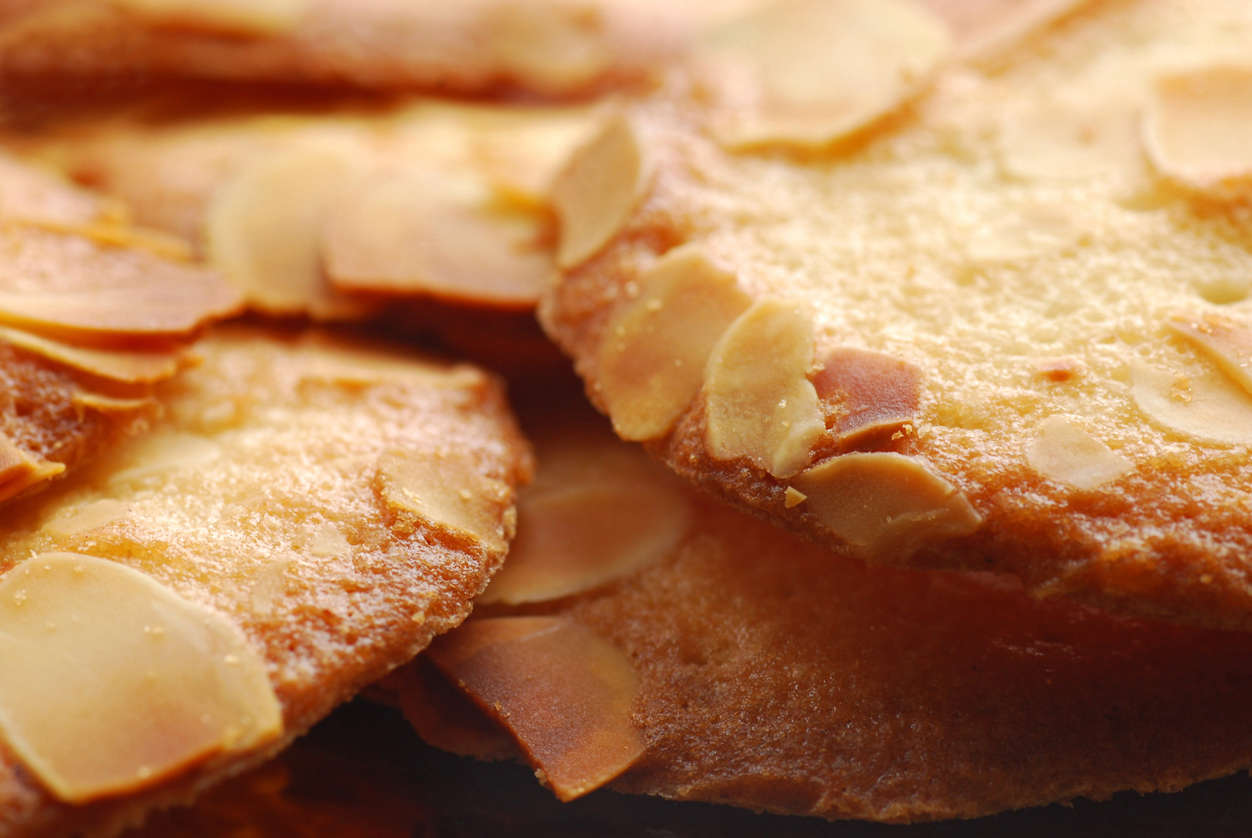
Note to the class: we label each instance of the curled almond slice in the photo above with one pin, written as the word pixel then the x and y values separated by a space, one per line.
pixel 1198 128
pixel 596 191
pixel 113 682
pixel 810 72
pixel 444 490
pixel 263 231
pixel 984 28
pixel 581 537
pixel 1063 451
pixel 867 393
pixel 1209 406
pixel 759 404
pixel 420 233
pixel 229 17
pixel 131 367
pixel 19 470
pixel 654 350
pixel 67 284
pixel 1225 340
pixel 563 692
pixel 885 505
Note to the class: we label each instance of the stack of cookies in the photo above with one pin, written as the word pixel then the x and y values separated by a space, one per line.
pixel 834 408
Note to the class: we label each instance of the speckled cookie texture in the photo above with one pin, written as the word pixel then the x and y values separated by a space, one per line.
pixel 993 314
pixel 306 516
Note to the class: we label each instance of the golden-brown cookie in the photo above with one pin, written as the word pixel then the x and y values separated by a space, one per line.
pixel 306 516
pixel 962 317
pixel 770 674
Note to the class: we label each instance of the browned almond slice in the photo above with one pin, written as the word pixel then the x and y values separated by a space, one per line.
pixel 656 346
pixel 19 470
pixel 114 681
pixel 1225 340
pixel 1064 451
pixel 885 505
pixel 810 72
pixel 984 28
pixel 31 194
pixel 1198 128
pixel 563 692
pixel 866 394
pixel 263 231
pixel 596 191
pixel 131 367
pixel 1206 406
pixel 67 284
pixel 415 232
pixel 234 17
pixel 759 404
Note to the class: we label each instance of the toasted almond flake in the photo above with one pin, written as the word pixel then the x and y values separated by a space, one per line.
pixel 597 190
pixel 885 505
pixel 563 692
pixel 582 536
pixel 521 153
pixel 1062 450
pixel 81 518
pixel 655 347
pixel 867 393
pixel 442 490
pixel 1209 406
pixel 113 682
pixel 810 72
pixel 445 717
pixel 32 194
pixel 985 28
pixel 793 497
pixel 162 452
pixel 115 404
pixel 233 17
pixel 417 232
pixel 60 283
pixel 1225 340
pixel 1197 128
pixel 19 470
pixel 759 404
pixel 263 230
pixel 156 242
pixel 131 367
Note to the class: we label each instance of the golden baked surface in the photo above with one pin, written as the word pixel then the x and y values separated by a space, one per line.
pixel 774 675
pixel 337 505
pixel 1032 279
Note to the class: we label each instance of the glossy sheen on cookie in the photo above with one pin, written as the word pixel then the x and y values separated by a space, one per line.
pixel 1028 294
pixel 321 509
pixel 772 675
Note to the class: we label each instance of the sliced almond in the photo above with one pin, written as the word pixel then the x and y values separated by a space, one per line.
pixel 866 393
pixel 1198 128
pixel 162 452
pixel 557 47
pixel 985 28
pixel 597 190
pixel 32 194
pixel 1064 451
pixel 1225 340
pixel 418 232
pixel 810 72
pixel 563 692
pixel 113 682
pixel 230 17
pixel 263 230
pixel 885 505
pixel 445 717
pixel 19 470
pixel 1209 406
pixel 118 365
pixel 655 347
pixel 759 403
pixel 68 284
pixel 443 490
pixel 580 537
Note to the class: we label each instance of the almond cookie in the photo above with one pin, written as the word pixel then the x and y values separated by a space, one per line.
pixel 695 653
pixel 306 516
pixel 940 313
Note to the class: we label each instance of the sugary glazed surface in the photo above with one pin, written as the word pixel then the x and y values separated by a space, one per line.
pixel 557 47
pixel 773 675
pixel 339 504
pixel 1064 271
